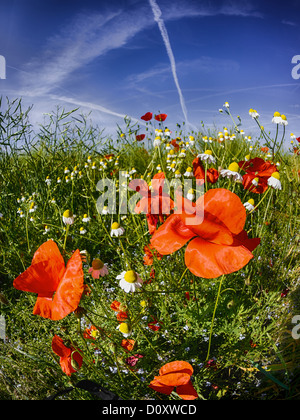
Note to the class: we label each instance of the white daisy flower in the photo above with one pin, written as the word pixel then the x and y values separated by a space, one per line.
pixel 86 218
pixel 190 195
pixel 274 181
pixel 125 329
pixel 105 210
pixel 48 181
pixel 82 231
pixel 116 229
pixel 157 141
pixel 189 172
pixel 177 174
pixel 207 156
pixel 46 230
pixel 129 281
pixel 253 113
pixel 232 172
pixel 249 205
pixel 68 217
pixel 277 118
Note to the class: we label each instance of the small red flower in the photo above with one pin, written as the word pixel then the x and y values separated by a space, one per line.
pixel 212 175
pixel 154 325
pixel 175 374
pixel 147 116
pixel 258 171
pixel 132 360
pixel 127 344
pixel 160 117
pixel 298 139
pixel 140 137
pixel 69 357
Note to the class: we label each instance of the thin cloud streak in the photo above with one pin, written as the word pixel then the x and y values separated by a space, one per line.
pixel 157 17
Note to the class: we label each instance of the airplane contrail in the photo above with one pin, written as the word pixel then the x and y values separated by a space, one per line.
pixel 157 17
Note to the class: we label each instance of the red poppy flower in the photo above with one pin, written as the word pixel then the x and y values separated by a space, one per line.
pixel 298 139
pixel 59 287
pixel 150 253
pixel 264 149
pixel 70 359
pixel 175 374
pixel 140 137
pixel 212 175
pixel 147 116
pixel 175 145
pixel 160 117
pixel 258 171
pixel 127 344
pixel 155 202
pixel 219 244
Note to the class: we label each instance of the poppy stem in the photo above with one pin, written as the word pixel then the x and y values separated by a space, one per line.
pixel 213 318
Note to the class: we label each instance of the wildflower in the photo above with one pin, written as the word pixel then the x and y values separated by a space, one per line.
pixel 140 137
pixel 105 210
pixel 175 374
pixel 232 172
pixel 48 181
pixel 189 172
pixel 190 194
pixel 132 360
pixel 125 329
pixel 59 287
pixel 150 253
pixel 249 205
pixel 182 153
pixel 46 230
pixel 220 244
pixel 147 116
pixel 177 174
pixel 68 217
pixel 86 218
pixel 226 105
pixel 157 141
pixel 91 333
pixel 253 113
pixel 257 173
pixel 58 180
pixel 129 281
pixel 212 175
pixel 98 269
pixel 155 202
pixel 154 325
pixel 284 120
pixel 274 181
pixel 32 207
pixel 70 359
pixel 128 344
pixel 82 231
pixel 116 229
pixel 192 140
pixel 160 117
pixel 67 179
pixel 207 156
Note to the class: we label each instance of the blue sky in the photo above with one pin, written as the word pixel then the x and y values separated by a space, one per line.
pixel 183 58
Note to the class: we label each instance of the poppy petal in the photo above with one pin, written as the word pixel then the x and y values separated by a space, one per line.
pixel 173 379
pixel 226 207
pixel 209 260
pixel 45 272
pixel 70 289
pixel 187 391
pixel 59 348
pixel 171 236
pixel 157 386
pixel 176 366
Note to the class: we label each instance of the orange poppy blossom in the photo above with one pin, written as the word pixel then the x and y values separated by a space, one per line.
pixel 160 117
pixel 155 202
pixel 218 242
pixel 258 171
pixel 175 374
pixel 212 175
pixel 70 359
pixel 150 253
pixel 59 287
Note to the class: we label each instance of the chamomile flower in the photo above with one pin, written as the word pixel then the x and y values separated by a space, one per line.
pixel 190 195
pixel 66 171
pixel 32 207
pixel 177 174
pixel 68 217
pixel 253 113
pixel 125 329
pixel 182 153
pixel 274 181
pixel 48 181
pixel 116 229
pixel 276 118
pixel 226 105
pixel 82 231
pixel 46 230
pixel 105 210
pixel 129 281
pixel 189 172
pixel 157 141
pixel 249 205
pixel 98 269
pixel 192 140
pixel 207 156
pixel 232 172
pixel 86 218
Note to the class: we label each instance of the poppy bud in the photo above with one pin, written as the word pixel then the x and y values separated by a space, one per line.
pixel 74 364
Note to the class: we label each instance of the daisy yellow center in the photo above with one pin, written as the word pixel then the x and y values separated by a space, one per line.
pixel 251 201
pixel 276 114
pixel 276 175
pixel 234 167
pixel 124 328
pixel 283 117
pixel 191 191
pixel 115 225
pixel 247 157
pixel 208 152
pixel 130 276
pixel 256 179
pixel 97 264
pixel 189 169
pixel 85 216
pixel 68 213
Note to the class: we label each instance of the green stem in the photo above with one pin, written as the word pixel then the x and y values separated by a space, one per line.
pixel 213 318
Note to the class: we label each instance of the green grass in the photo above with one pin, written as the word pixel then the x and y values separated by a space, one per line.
pixel 246 353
